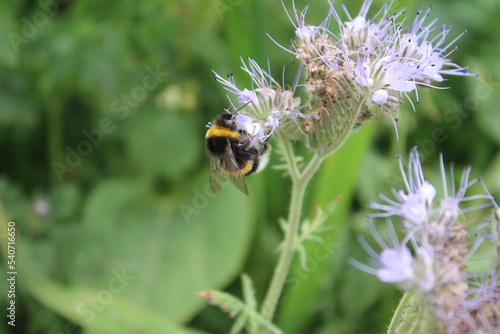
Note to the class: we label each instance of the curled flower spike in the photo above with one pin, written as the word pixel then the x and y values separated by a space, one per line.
pixel 266 103
pixel 363 70
pixel 438 230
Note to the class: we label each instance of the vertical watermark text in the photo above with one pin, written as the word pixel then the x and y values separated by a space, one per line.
pixel 11 273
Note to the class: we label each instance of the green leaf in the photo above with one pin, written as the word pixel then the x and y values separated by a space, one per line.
pixel 248 291
pixel 137 259
pixel 98 311
pixel 483 100
pixel 163 144
pixel 234 306
pixel 10 36
pixel 171 250
pixel 251 302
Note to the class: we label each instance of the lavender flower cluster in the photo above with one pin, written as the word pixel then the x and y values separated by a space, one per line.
pixel 360 73
pixel 444 235
pixel 364 71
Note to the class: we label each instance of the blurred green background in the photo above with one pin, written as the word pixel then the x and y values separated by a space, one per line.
pixel 103 170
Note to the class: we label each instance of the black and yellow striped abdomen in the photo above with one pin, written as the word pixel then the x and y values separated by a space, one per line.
pixel 232 153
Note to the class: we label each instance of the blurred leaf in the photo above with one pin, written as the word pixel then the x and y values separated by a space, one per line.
pixel 9 36
pixel 492 176
pixel 12 201
pixel 64 200
pixel 360 287
pixel 378 173
pixel 171 251
pixel 16 112
pixel 484 99
pixel 163 144
pixel 97 311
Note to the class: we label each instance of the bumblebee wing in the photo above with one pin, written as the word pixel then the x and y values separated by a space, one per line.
pixel 239 183
pixel 234 172
pixel 216 175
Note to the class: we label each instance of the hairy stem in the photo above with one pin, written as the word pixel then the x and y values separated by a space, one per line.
pixel 300 180
pixel 398 314
pixel 299 185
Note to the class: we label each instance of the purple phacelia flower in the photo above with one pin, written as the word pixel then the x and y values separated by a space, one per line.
pixel 369 64
pixel 443 240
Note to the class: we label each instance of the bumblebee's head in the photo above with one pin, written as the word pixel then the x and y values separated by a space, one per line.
pixel 242 128
pixel 226 120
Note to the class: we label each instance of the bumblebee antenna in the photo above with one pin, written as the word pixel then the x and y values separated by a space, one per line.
pixel 243 106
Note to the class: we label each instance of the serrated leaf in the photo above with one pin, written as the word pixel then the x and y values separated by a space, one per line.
pixel 234 307
pixel 239 324
pixel 248 291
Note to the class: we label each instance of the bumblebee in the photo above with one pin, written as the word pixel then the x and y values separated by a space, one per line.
pixel 234 153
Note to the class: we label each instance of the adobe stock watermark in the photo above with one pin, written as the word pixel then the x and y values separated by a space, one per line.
pixel 92 305
pixel 320 253
pixel 120 106
pixel 200 201
pixel 455 115
pixel 31 25
pixel 222 6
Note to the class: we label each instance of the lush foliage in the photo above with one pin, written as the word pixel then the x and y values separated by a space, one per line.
pixel 104 107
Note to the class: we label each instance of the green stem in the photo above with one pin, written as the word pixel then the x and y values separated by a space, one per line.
pixel 300 180
pixel 398 314
pixel 290 158
pixel 299 185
